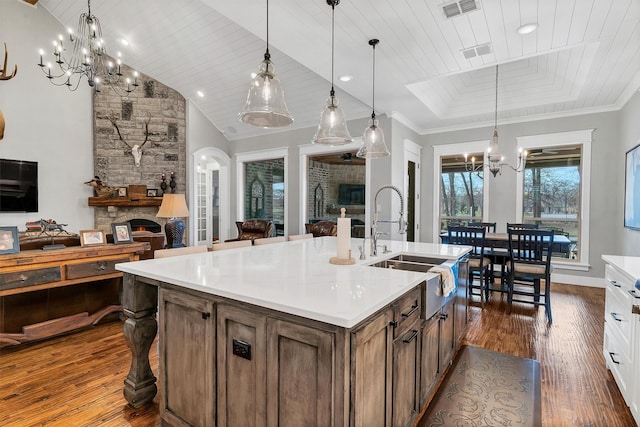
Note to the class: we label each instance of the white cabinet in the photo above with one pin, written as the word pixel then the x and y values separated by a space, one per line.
pixel 621 348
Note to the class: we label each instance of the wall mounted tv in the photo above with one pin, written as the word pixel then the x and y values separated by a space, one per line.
pixel 18 186
pixel 351 194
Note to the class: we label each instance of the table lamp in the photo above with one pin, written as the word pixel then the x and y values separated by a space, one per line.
pixel 174 207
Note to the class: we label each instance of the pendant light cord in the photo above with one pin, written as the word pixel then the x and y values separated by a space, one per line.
pixel 333 18
pixel 495 123
pixel 267 55
pixel 374 42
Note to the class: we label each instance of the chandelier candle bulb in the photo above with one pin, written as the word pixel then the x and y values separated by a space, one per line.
pixel 344 241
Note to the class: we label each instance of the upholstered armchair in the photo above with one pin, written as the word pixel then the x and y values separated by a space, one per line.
pixel 322 228
pixel 252 229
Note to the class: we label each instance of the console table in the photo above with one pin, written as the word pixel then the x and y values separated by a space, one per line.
pixel 47 293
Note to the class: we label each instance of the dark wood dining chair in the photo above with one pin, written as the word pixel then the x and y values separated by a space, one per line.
pixel 479 263
pixel 529 265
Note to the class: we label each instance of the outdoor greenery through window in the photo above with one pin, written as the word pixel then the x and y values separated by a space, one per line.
pixel 551 196
pixel 461 192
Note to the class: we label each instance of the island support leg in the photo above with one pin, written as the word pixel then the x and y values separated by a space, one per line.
pixel 140 301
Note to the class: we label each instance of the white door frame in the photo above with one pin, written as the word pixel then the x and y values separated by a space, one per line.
pixel 224 193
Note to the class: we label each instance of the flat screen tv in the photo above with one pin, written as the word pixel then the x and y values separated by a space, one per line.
pixel 351 194
pixel 18 186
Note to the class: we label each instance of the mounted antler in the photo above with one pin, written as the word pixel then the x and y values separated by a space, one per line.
pixel 3 71
pixel 136 150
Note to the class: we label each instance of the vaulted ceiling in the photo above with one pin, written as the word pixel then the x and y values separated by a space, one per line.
pixel 584 56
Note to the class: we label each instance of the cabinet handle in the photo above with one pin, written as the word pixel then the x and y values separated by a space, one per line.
pixel 101 266
pixel 413 336
pixel 393 323
pixel 205 316
pixel 633 293
pixel 615 317
pixel 413 310
pixel 613 359
pixel 615 283
pixel 444 316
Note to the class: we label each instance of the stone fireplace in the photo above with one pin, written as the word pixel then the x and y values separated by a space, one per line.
pixel 154 117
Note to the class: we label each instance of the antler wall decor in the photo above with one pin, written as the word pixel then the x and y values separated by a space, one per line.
pixel 4 76
pixel 3 71
pixel 135 150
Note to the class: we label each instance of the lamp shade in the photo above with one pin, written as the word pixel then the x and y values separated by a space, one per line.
pixel 332 129
pixel 373 146
pixel 173 206
pixel 265 106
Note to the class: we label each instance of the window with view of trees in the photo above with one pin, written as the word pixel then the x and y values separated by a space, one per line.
pixel 461 192
pixel 551 193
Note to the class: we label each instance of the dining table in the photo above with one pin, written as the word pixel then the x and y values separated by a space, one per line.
pixel 561 243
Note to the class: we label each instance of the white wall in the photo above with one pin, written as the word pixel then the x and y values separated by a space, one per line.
pixel 630 137
pixel 45 123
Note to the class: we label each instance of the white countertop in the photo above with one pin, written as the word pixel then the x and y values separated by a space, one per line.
pixel 296 277
pixel 628 264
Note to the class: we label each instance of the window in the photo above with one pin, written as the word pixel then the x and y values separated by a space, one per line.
pixel 461 192
pixel 459 196
pixel 553 190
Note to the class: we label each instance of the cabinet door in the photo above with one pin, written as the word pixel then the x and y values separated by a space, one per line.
pixel 371 370
pixel 406 376
pixel 301 371
pixel 446 335
pixel 429 357
pixel 241 353
pixel 187 365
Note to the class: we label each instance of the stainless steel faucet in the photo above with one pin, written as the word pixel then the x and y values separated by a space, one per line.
pixel 402 225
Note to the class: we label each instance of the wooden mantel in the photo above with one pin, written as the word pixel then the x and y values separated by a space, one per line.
pixel 125 202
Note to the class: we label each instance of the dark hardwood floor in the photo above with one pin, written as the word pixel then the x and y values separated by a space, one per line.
pixel 77 380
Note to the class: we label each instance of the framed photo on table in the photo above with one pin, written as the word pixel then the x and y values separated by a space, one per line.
pixel 152 192
pixel 9 242
pixel 122 191
pixel 632 189
pixel 92 238
pixel 121 233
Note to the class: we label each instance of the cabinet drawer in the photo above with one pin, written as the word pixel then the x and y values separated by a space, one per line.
pixel 93 268
pixel 617 279
pixel 18 279
pixel 619 363
pixel 618 316
pixel 405 311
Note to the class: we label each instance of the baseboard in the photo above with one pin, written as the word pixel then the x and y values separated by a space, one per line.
pixel 569 279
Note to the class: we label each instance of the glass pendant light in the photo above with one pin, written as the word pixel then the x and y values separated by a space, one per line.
pixel 332 129
pixel 373 146
pixel 265 106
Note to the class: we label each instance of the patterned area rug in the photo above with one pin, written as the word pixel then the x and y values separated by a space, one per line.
pixel 486 388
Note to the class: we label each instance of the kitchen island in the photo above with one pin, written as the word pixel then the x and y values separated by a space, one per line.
pixel 276 335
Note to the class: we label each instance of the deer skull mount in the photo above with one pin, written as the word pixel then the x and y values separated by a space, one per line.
pixel 4 76
pixel 135 150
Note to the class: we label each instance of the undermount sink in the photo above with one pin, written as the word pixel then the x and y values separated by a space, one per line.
pixel 409 262
pixel 432 299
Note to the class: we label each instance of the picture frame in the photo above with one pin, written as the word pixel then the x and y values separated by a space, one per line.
pixel 121 233
pixel 92 238
pixel 9 241
pixel 632 188
pixel 121 191
pixel 152 192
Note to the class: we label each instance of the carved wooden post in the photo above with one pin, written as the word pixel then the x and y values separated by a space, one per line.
pixel 139 301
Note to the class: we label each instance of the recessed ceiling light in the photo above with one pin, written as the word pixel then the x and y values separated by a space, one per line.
pixel 345 78
pixel 124 42
pixel 527 28
pixel 200 93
